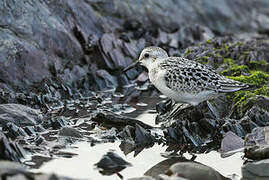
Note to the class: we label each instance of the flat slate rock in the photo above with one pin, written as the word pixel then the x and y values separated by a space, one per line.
pixel 19 114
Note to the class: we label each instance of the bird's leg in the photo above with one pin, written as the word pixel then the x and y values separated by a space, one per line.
pixel 119 175
pixel 177 108
pixel 212 109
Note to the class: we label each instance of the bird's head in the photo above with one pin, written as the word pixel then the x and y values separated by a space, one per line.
pixel 149 57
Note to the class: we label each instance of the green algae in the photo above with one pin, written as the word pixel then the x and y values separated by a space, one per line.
pixel 259 65
pixel 256 78
pixel 241 99
pixel 187 52
pixel 203 60
pixel 236 70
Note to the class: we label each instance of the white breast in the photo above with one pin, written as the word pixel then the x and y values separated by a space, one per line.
pixel 157 77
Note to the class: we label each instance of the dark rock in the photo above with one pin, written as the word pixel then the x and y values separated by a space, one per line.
pixel 104 80
pixel 110 119
pixel 15 171
pixel 110 135
pixel 261 101
pixel 247 124
pixel 10 150
pixel 110 48
pixel 222 107
pixel 258 115
pixel 30 130
pixel 20 115
pixel 57 123
pixel 234 126
pixel 38 45
pixel 75 75
pixel 39 128
pixel 70 132
pixel 135 139
pixel 132 74
pixel 111 163
pixel 258 136
pixel 40 140
pixel 257 152
pixel 257 144
pixel 14 131
pixel 180 138
pixel 52 39
pixel 127 146
pixel 163 106
pixel 143 137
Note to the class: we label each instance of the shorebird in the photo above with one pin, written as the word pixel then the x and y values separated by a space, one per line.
pixel 184 80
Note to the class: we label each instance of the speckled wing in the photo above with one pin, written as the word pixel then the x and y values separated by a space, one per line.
pixel 183 75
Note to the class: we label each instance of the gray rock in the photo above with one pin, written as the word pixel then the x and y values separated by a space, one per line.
pixel 258 136
pixel 257 144
pixel 142 178
pixel 258 115
pixel 194 171
pixel 165 177
pixel 257 152
pixel 15 171
pixel 219 15
pixel 163 166
pixel 10 150
pixel 256 170
pixel 19 114
pixel 38 39
pixel 70 132
pixel 6 166
pixel 230 144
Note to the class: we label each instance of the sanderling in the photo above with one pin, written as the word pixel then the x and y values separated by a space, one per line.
pixel 184 80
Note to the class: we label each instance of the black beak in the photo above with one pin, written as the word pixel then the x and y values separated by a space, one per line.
pixel 131 66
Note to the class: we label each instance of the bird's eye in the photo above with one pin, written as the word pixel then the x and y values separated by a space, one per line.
pixel 146 55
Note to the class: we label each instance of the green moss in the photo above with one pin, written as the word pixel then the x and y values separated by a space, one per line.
pixel 256 77
pixel 203 60
pixel 226 46
pixel 259 65
pixel 187 52
pixel 262 91
pixel 236 70
pixel 229 61
pixel 209 41
pixel 242 98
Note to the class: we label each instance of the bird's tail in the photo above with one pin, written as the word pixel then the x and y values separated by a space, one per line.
pixel 226 88
pixel 251 87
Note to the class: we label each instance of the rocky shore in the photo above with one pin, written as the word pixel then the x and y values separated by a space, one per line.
pixel 61 82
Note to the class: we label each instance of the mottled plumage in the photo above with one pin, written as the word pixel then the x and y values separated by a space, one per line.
pixel 184 80
pixel 190 76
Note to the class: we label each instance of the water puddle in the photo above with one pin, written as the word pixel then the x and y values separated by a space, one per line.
pixel 82 165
